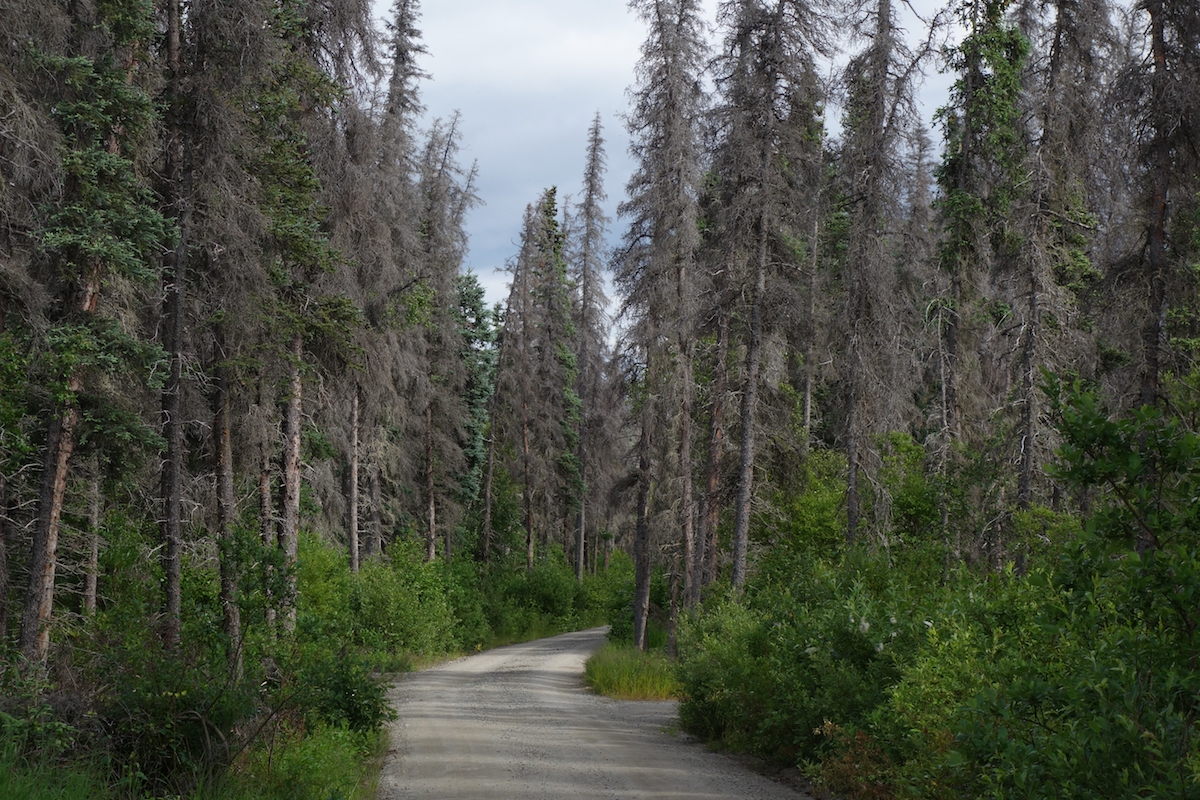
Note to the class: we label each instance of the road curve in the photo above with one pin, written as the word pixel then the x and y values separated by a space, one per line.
pixel 515 723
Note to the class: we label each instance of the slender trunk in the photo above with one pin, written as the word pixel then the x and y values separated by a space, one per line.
pixel 352 486
pixel 34 641
pixel 1029 390
pixel 174 281
pixel 852 446
pixel 580 540
pixel 266 524
pixel 687 513
pixel 34 638
pixel 485 543
pixel 171 489
pixel 673 616
pixel 810 346
pixel 430 502
pixel 91 571
pixel 641 543
pixel 3 552
pixel 375 497
pixel 289 516
pixel 527 489
pixel 231 614
pixel 741 525
pixel 1157 245
pixel 710 517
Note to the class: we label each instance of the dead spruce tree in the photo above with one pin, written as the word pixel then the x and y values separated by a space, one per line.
pixel 655 265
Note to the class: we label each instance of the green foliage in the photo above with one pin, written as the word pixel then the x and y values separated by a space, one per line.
pixel 327 764
pixel 812 510
pixel 626 673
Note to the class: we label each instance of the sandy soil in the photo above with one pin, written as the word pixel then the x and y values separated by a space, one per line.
pixel 515 723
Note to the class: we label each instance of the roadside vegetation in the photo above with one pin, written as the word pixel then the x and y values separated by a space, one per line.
pixel 623 672
pixel 300 717
pixel 899 671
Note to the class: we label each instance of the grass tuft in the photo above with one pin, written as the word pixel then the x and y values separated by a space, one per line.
pixel 625 673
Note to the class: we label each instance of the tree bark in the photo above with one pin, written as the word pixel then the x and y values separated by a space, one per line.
pixel 289 517
pixel 375 497
pixel 527 489
pixel 1157 255
pixel 352 486
pixel 687 513
pixel 710 517
pixel 91 571
pixel 485 538
pixel 1029 390
pixel 34 640
pixel 4 579
pixel 174 278
pixel 641 544
pixel 741 525
pixel 226 513
pixel 430 501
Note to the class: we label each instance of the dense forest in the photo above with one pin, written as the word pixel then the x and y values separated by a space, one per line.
pixel 889 432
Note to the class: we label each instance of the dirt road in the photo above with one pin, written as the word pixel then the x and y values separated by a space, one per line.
pixel 515 723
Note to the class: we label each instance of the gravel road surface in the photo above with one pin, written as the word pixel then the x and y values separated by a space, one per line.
pixel 515 723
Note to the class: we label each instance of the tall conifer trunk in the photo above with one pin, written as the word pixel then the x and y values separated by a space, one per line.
pixel 741 525
pixel 352 485
pixel 171 486
pixel 1157 255
pixel 289 517
pixel 4 579
pixel 710 516
pixel 226 512
pixel 430 501
pixel 641 544
pixel 91 570
pixel 375 497
pixel 34 641
pixel 34 638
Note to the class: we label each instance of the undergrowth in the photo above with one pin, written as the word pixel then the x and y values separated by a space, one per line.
pixel 626 673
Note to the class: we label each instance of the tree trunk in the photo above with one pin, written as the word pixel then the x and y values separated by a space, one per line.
pixel 641 543
pixel 289 517
pixel 91 571
pixel 430 502
pixel 171 489
pixel 1029 390
pixel 686 501
pixel 1157 248
pixel 852 444
pixel 4 580
pixel 527 490
pixel 710 518
pixel 485 538
pixel 266 521
pixel 810 346
pixel 580 539
pixel 226 513
pixel 352 486
pixel 375 497
pixel 174 281
pixel 741 525
pixel 34 638
pixel 34 641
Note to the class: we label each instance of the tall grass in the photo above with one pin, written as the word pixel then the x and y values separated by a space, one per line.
pixel 625 673
pixel 20 780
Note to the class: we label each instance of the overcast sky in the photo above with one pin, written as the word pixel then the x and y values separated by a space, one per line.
pixel 528 76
